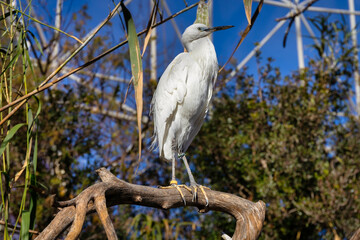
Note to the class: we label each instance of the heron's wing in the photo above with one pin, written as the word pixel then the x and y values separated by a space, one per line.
pixel 170 92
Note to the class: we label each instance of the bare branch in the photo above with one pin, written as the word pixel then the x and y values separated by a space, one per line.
pixel 296 13
pixel 90 33
pixel 98 91
pixel 20 101
pixel 245 33
pixel 100 204
pixel 173 22
pixel 17 228
pixel 249 215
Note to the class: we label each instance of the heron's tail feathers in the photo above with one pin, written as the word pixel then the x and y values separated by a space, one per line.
pixel 153 145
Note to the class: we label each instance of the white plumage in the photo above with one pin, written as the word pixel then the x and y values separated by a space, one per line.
pixel 183 94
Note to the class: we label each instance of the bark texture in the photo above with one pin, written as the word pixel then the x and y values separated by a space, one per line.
pixel 112 191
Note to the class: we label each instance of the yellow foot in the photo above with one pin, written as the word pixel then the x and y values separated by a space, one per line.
pixel 174 184
pixel 195 187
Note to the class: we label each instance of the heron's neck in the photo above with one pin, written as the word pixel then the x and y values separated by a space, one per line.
pixel 202 46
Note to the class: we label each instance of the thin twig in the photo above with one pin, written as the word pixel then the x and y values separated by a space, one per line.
pixel 245 33
pixel 37 21
pixel 81 47
pixel 11 227
pixel 297 13
pixel 64 63
pixel 12 111
pixel 24 98
pixel 292 17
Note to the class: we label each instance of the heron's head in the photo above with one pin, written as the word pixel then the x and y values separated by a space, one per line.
pixel 197 31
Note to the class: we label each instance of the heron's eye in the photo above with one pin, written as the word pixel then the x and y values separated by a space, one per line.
pixel 199 28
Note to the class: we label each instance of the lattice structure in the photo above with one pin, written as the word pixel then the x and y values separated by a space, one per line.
pixel 297 8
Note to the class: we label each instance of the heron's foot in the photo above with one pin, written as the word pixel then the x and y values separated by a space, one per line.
pixel 195 187
pixel 174 184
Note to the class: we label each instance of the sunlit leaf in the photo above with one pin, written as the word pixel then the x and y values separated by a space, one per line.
pixel 149 28
pixel 247 6
pixel 136 66
pixel 245 32
pixel 26 162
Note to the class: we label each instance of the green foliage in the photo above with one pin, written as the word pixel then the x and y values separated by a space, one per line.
pixel 62 146
pixel 9 136
pixel 291 142
pixel 16 62
pixel 136 67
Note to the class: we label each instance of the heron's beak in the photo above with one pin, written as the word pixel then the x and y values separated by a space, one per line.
pixel 213 29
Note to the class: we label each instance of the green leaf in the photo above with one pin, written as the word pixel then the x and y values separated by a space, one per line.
pixel 247 6
pixel 136 66
pixel 35 152
pixel 36 42
pixel 9 136
pixel 30 64
pixel 30 119
pixel 36 115
pixel 25 225
pixel 39 107
pixel 33 195
pixel 33 202
pixel 14 59
pixel 37 21
pixel 157 233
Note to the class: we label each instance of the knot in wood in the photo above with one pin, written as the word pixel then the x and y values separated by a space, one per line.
pixel 138 198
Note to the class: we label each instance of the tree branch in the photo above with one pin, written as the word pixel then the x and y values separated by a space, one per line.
pixel 46 84
pixel 249 216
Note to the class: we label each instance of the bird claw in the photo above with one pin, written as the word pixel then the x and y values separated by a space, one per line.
pixel 174 184
pixel 193 189
pixel 195 192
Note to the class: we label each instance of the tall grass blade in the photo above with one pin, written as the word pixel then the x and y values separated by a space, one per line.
pixel 25 225
pixel 9 136
pixel 149 26
pixel 136 66
pixel 36 42
pixel 247 6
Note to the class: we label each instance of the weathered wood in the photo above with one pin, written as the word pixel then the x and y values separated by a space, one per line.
pixel 249 215
pixel 356 235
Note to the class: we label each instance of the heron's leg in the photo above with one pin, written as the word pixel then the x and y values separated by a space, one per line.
pixel 191 177
pixel 193 182
pixel 173 180
pixel 174 183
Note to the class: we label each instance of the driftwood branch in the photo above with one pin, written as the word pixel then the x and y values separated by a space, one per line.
pixel 113 191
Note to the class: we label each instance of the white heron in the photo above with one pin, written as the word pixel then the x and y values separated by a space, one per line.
pixel 182 98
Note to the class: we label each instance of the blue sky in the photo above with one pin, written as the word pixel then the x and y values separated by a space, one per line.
pixel 226 12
